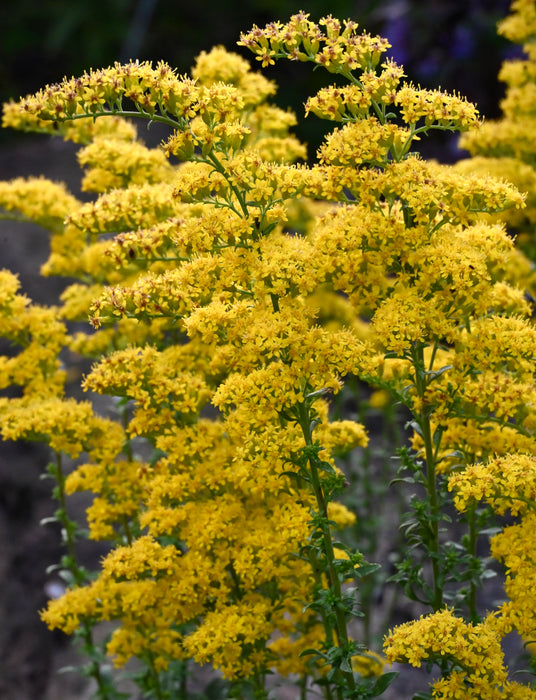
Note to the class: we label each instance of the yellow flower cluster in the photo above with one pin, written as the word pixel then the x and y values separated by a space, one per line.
pixel 37 200
pixel 509 427
pixel 82 131
pixel 352 102
pixel 434 107
pixel 116 163
pixel 520 25
pixel 474 648
pixel 339 49
pixel 508 484
pixel 364 141
pixel 165 386
pixel 505 147
pixel 226 634
pixel 118 487
pixel 515 548
pixel 213 476
pixel 42 412
pixel 40 335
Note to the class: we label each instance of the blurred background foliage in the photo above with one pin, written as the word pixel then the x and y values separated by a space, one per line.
pixel 449 44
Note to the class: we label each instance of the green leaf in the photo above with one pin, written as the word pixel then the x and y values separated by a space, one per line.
pixel 295 475
pixel 52 568
pixel 416 427
pixel 68 669
pixel 345 665
pixel 309 652
pixel 381 684
pixel 366 569
pixel 435 373
pixel 405 480
pixel 319 392
pixel 325 467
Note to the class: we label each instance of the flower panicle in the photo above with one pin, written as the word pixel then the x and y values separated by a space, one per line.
pixel 335 45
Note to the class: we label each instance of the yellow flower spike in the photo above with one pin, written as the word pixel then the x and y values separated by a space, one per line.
pixel 365 141
pixel 338 437
pixel 506 483
pixel 164 392
pixel 38 200
pixel 220 65
pixel 119 487
pixel 67 612
pixel 40 335
pixel 497 139
pixel 341 516
pixel 498 343
pixel 138 206
pixel 434 107
pixel 515 548
pixel 225 634
pixel 100 91
pixel 113 164
pixel 144 556
pixel 520 25
pixel 505 146
pixel 474 647
pixel 68 426
pixel 482 439
pixel 338 52
pixel 83 130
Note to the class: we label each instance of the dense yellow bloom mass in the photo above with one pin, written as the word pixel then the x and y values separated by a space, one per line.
pixel 506 146
pixel 508 484
pixel 118 487
pixel 505 482
pixel 231 296
pixel 515 547
pixel 473 647
pixel 116 163
pixel 37 200
pixel 520 25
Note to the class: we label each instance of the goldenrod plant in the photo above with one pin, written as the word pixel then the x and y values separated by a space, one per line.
pixel 235 291
pixel 505 147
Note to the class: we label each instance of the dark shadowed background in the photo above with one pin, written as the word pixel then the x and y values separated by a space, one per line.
pixel 441 43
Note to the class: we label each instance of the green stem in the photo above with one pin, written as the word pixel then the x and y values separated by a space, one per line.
pixel 94 668
pixel 69 527
pixel 126 529
pixel 437 602
pixel 117 112
pixel 79 578
pixel 471 549
pixel 183 688
pixel 275 302
pixel 313 561
pixel 423 418
pixel 333 576
pixel 214 161
pixel 260 691
pixel 155 677
pixel 303 687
